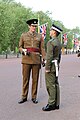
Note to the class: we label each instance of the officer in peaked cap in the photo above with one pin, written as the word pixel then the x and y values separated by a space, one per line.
pixel 53 57
pixel 31 45
pixel 32 22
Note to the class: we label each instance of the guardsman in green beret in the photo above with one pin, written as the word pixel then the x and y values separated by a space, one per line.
pixel 53 57
pixel 31 45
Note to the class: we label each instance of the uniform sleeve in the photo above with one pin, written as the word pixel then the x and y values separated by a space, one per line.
pixel 21 43
pixel 42 48
pixel 49 56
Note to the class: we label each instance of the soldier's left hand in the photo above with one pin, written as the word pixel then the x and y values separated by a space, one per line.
pixel 43 63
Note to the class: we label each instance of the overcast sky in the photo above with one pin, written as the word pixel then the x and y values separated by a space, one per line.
pixel 66 11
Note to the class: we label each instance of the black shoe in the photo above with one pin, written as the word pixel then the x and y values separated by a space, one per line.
pixel 22 101
pixel 49 107
pixel 57 107
pixel 35 101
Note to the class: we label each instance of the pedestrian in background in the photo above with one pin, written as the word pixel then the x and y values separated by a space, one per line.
pixel 31 45
pixel 78 55
pixel 53 57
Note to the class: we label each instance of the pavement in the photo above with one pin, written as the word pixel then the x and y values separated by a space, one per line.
pixel 10 92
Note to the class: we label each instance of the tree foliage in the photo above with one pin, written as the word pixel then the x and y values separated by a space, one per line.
pixel 13 18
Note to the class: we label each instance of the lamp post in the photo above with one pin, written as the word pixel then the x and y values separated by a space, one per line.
pixel 73 42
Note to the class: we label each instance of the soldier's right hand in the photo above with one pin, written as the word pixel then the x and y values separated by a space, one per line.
pixel 24 51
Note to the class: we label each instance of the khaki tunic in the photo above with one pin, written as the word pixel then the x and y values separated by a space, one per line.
pixel 28 40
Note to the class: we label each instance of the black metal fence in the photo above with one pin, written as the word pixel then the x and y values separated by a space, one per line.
pixel 11 55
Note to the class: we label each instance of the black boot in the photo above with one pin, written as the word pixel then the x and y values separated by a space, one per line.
pixel 57 107
pixel 35 100
pixel 49 107
pixel 22 100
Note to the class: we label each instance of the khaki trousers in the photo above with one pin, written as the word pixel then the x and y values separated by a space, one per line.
pixel 26 72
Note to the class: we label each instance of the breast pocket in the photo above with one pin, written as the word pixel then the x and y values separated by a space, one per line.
pixel 27 42
pixel 37 43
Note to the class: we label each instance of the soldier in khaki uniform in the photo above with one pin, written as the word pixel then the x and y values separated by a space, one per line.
pixel 53 57
pixel 31 45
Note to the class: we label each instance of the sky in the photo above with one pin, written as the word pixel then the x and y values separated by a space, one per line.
pixel 66 11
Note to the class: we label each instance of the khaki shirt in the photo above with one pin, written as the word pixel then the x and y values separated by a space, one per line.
pixel 28 40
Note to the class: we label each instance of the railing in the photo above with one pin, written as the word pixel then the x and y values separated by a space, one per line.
pixel 11 55
pixel 18 55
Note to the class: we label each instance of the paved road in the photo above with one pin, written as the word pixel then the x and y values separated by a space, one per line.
pixel 10 91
